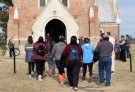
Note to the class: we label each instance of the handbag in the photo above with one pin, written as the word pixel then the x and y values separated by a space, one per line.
pixel 95 56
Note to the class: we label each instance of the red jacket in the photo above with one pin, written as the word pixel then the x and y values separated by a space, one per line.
pixel 38 57
pixel 66 53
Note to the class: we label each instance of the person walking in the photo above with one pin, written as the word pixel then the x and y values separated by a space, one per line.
pixel 48 38
pixel 40 51
pixel 29 56
pixel 122 44
pixel 87 58
pixel 11 47
pixel 105 49
pixel 50 60
pixel 73 54
pixel 56 53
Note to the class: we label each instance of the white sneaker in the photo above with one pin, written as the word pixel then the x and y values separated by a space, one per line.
pixel 75 89
pixel 101 84
pixel 43 73
pixel 32 74
pixel 39 78
pixel 29 76
pixel 61 82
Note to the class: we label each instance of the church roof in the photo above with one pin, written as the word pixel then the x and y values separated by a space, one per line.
pixel 106 11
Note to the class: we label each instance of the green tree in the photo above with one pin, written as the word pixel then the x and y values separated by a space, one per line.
pixel 7 2
pixel 4 15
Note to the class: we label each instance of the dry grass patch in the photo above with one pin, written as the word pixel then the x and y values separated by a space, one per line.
pixel 122 80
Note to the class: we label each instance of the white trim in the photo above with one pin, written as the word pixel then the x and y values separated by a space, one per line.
pixel 16 14
pixel 68 3
pixel 109 25
pixel 46 2
pixel 61 14
pixel 38 3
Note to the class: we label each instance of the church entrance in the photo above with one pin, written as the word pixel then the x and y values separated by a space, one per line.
pixel 55 28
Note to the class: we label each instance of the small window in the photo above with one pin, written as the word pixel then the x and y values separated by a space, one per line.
pixel 42 3
pixel 65 2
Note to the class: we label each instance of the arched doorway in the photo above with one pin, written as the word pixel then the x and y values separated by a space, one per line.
pixel 55 28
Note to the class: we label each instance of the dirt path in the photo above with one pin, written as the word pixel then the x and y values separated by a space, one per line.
pixel 122 80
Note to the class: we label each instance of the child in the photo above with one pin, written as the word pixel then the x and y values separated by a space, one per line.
pixel 87 58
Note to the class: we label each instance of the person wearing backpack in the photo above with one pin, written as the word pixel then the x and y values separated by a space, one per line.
pixel 40 51
pixel 73 54
pixel 56 53
pixel 88 51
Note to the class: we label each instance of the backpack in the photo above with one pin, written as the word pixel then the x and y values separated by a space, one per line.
pixel 41 50
pixel 73 53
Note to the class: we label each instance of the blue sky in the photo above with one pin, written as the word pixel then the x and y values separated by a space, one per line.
pixel 127 15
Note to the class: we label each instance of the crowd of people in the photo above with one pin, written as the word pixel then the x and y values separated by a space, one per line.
pixel 121 48
pixel 74 56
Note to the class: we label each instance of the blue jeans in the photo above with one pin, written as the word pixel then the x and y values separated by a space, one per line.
pixel 105 63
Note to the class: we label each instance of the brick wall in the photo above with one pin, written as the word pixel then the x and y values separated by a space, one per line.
pixel 113 29
pixel 28 11
pixel 79 9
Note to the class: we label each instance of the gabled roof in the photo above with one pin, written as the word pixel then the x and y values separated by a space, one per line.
pixel 55 10
pixel 106 11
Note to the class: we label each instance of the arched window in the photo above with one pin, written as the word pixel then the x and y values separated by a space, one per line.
pixel 65 2
pixel 41 3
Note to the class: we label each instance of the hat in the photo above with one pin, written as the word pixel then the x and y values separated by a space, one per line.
pixel 105 35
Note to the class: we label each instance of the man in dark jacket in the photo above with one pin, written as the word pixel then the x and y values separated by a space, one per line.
pixel 105 49
pixel 122 44
pixel 11 47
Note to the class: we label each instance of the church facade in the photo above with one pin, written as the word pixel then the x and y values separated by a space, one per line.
pixel 62 17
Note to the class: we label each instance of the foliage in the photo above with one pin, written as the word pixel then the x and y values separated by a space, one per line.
pixel 4 15
pixel 7 2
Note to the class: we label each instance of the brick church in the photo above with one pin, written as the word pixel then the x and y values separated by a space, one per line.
pixel 67 17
